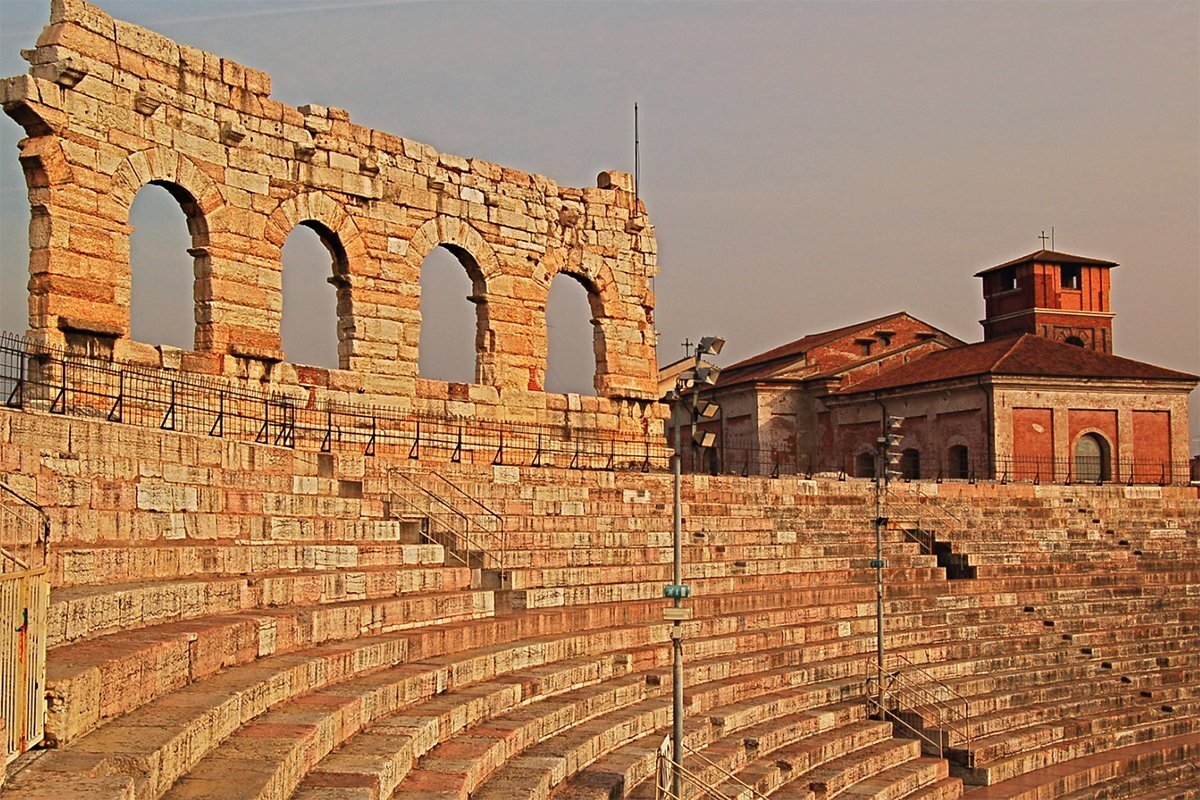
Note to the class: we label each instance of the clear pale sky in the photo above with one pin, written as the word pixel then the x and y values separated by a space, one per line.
pixel 807 165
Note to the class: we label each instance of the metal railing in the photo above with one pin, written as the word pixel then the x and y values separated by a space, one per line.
pixel 664 765
pixel 919 703
pixel 922 518
pixel 24 601
pixel 1097 471
pixel 736 457
pixel 63 382
pixel 471 533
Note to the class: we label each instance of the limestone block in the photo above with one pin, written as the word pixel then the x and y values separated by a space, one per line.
pixel 158 496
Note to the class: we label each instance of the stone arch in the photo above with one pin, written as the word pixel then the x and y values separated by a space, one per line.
pixel 483 268
pixel 603 298
pixel 340 235
pixel 167 168
pixel 198 196
pixel 458 237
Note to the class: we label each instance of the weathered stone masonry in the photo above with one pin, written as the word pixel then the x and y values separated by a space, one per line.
pixel 109 107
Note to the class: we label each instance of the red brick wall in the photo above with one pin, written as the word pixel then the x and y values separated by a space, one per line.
pixel 1151 438
pixel 1033 443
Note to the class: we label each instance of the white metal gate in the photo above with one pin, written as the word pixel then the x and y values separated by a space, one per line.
pixel 24 599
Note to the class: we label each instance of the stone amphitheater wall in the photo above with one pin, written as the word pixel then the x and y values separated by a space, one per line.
pixel 109 107
pixel 134 486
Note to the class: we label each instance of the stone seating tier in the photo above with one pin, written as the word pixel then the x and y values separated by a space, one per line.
pixel 186 656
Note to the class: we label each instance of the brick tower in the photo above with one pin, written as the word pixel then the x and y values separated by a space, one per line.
pixel 1056 295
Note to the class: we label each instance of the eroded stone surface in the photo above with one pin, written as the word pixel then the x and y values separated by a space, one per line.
pixel 110 107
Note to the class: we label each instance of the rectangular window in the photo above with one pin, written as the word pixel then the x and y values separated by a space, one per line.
pixel 1008 279
pixel 1069 276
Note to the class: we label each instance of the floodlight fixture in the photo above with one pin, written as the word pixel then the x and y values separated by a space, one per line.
pixel 708 410
pixel 710 344
pixel 707 375
pixel 704 438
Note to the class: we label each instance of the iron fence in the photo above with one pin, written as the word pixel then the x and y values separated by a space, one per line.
pixel 739 459
pixel 63 382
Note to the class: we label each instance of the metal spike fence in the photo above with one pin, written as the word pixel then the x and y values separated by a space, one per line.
pixel 62 382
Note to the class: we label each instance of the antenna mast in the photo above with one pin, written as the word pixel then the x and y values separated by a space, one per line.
pixel 637 158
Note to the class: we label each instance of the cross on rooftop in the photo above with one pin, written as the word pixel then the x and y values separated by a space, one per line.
pixel 687 345
pixel 1043 237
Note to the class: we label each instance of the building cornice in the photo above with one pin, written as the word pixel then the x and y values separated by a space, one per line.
pixel 1065 311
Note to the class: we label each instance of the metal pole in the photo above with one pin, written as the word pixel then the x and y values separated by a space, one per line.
pixel 677 625
pixel 880 478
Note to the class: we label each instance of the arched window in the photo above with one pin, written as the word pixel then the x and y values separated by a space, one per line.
pixel 1075 340
pixel 958 462
pixel 162 291
pixel 910 464
pixel 574 341
pixel 864 465
pixel 452 331
pixel 313 259
pixel 1092 458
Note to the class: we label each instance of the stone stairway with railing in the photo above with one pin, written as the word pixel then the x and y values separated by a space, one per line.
pixel 236 620
pixel 1110 688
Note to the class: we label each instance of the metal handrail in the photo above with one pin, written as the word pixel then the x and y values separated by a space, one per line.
pixel 431 519
pixel 693 779
pixel 461 533
pixel 474 501
pixel 757 795
pixel 951 715
pixel 922 504
pixel 932 678
pixel 884 713
pixel 42 537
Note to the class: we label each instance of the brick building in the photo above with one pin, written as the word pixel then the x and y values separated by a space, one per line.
pixel 1041 398
pixel 770 402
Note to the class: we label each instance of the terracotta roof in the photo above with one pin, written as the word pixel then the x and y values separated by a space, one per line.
pixel 1025 354
pixel 765 364
pixel 1050 257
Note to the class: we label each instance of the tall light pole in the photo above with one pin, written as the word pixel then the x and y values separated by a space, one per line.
pixel 692 380
pixel 887 458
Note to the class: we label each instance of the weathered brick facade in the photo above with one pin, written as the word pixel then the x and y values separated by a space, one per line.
pixel 1057 295
pixel 1041 398
pixel 109 107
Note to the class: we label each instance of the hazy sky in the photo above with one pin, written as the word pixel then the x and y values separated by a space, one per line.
pixel 807 165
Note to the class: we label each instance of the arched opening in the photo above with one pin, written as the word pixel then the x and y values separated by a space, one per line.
pixel 910 464
pixel 958 462
pixel 453 333
pixel 23 241
pixel 311 328
pixel 1075 340
pixel 1092 458
pixel 164 264
pixel 864 465
pixel 575 344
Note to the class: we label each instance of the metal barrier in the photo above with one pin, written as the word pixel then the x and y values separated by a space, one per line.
pixel 664 766
pixel 24 600
pixel 63 382
pixel 922 518
pixel 470 532
pixel 919 702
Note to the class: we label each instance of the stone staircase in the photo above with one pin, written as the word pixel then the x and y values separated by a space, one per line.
pixel 259 622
